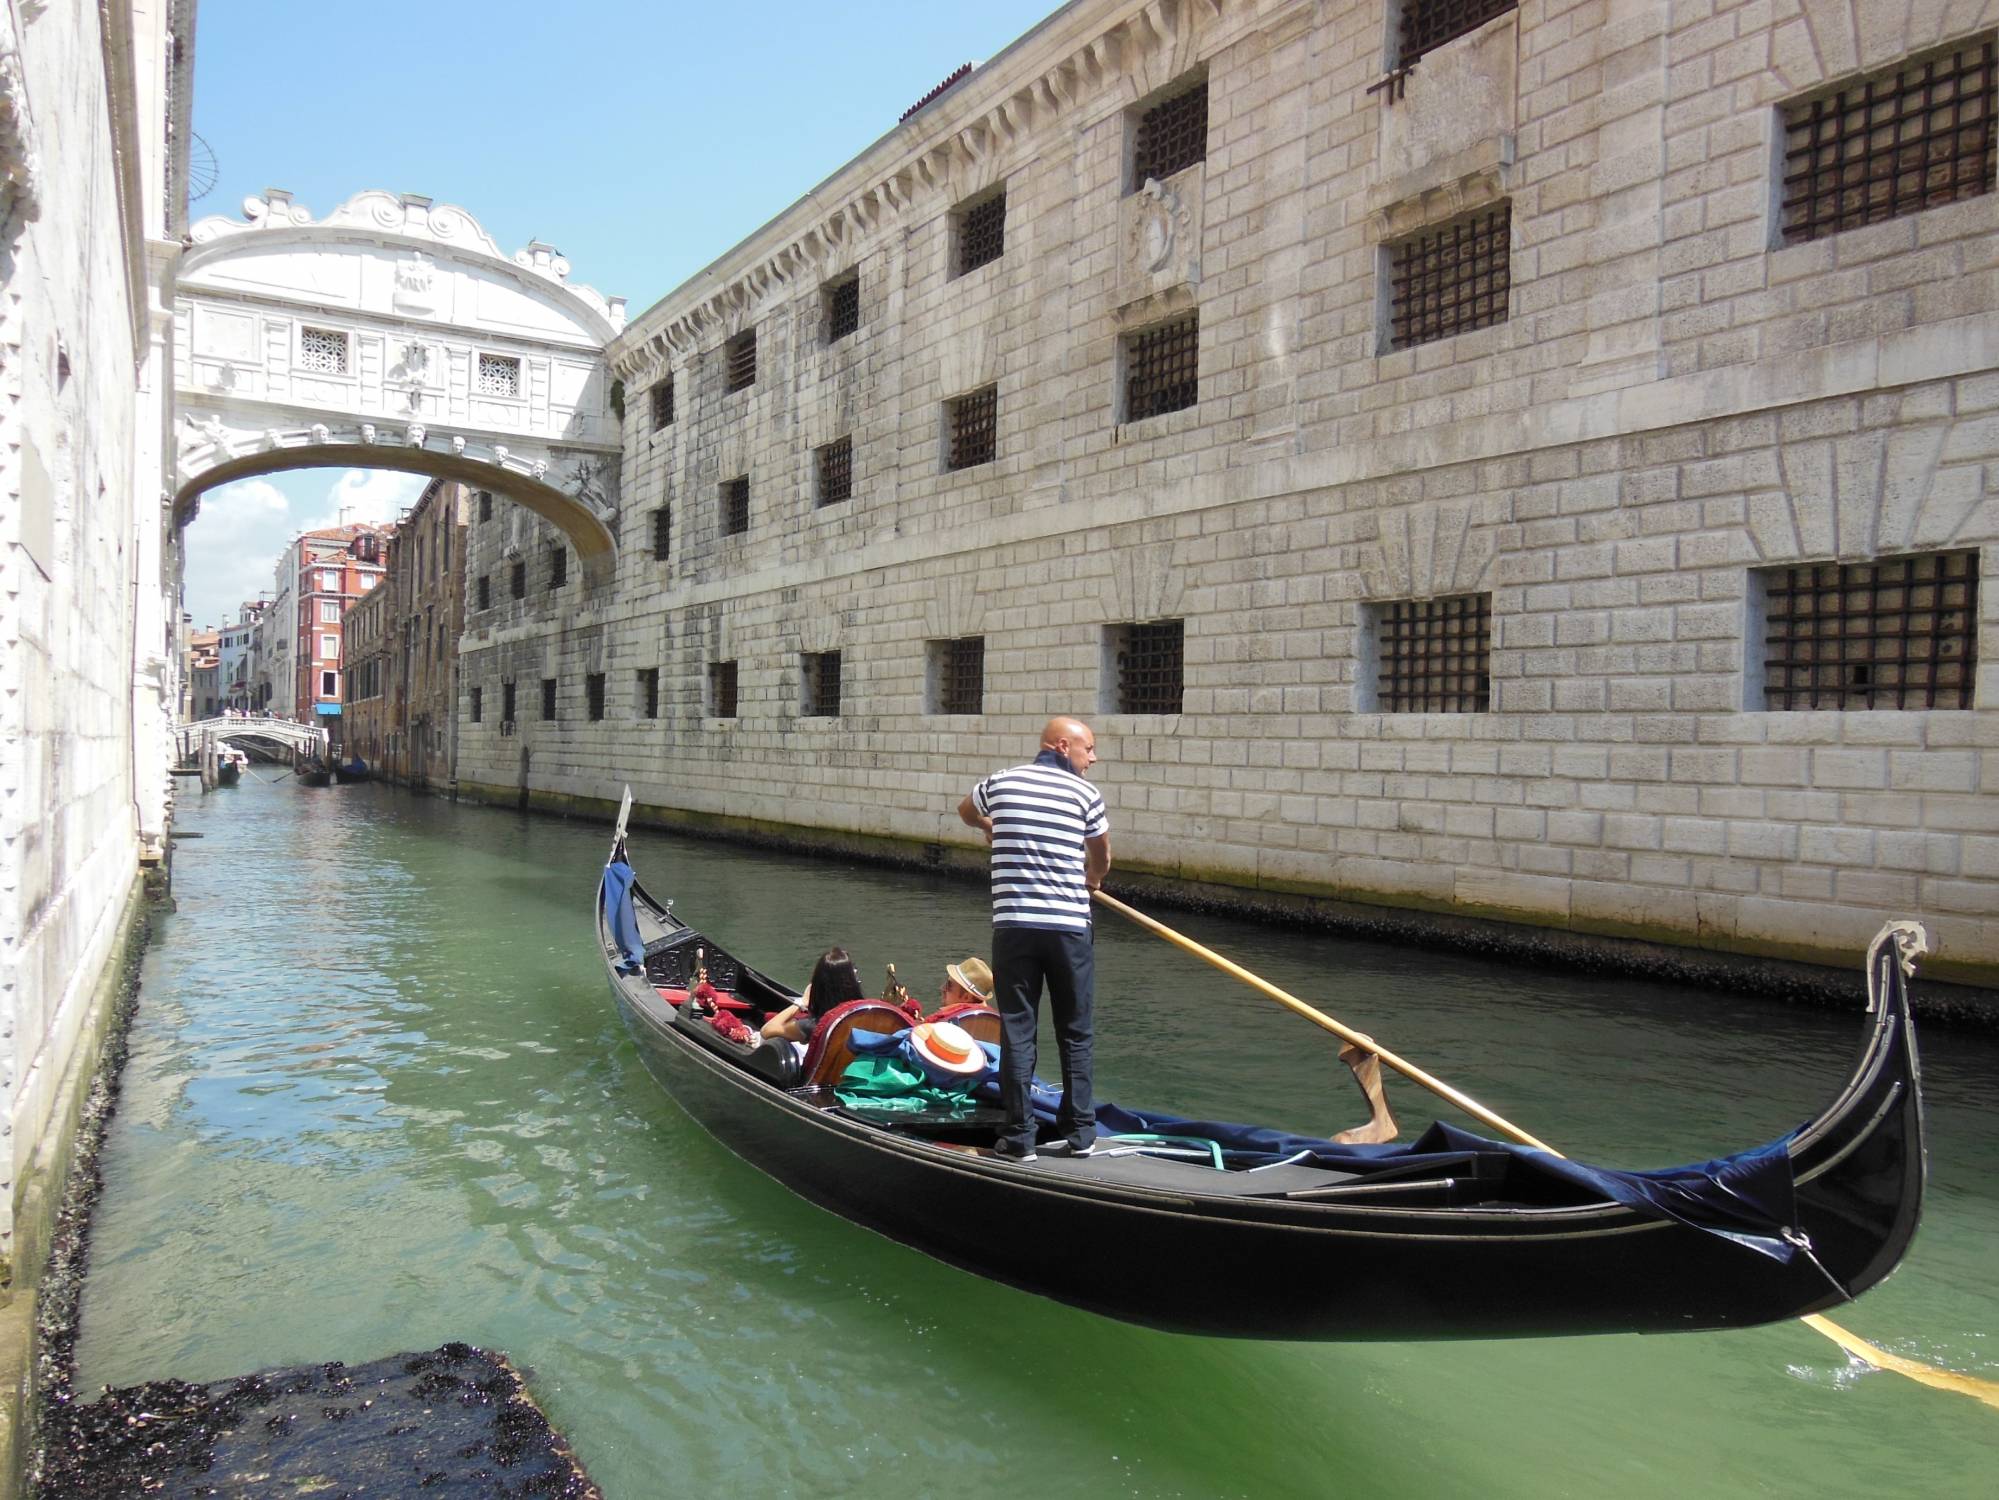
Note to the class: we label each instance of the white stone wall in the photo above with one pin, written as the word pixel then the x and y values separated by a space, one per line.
pixel 1670 404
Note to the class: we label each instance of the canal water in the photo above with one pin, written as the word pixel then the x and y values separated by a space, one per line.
pixel 379 1098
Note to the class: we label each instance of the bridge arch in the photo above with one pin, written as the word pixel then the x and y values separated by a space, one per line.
pixel 395 334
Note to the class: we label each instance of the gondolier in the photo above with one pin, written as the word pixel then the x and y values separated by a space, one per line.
pixel 1051 847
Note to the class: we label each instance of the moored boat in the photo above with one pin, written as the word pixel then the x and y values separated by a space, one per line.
pixel 1232 1230
pixel 346 771
pixel 313 771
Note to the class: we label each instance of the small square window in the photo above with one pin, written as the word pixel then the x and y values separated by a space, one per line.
pixel 329 611
pixel 1162 368
pixel 739 361
pixel 662 404
pixel 593 694
pixel 485 591
pixel 1898 632
pixel 499 375
pixel 973 429
pixel 329 684
pixel 548 698
pixel 478 705
pixel 1434 655
pixel 506 703
pixel 322 351
pixel 1144 663
pixel 822 685
pixel 329 648
pixel 836 471
pixel 1451 279
pixel 842 301
pixel 485 505
pixel 1171 135
pixel 519 580
pixel 722 689
pixel 648 692
pixel 981 232
pixel 662 532
pixel 1427 24
pixel 958 675
pixel 736 505
pixel 558 566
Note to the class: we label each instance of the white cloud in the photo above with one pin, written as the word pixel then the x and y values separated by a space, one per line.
pixel 373 495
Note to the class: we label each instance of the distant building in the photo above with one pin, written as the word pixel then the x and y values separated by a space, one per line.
pixel 237 665
pixel 202 696
pixel 319 576
pixel 364 727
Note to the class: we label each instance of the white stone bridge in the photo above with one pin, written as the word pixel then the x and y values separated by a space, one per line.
pixel 308 738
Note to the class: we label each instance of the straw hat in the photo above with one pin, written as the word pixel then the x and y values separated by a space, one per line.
pixel 975 976
pixel 944 1049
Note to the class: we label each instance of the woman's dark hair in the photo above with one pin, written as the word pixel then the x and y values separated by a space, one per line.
pixel 835 981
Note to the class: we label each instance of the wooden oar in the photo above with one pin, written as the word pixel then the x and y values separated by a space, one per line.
pixel 1942 1380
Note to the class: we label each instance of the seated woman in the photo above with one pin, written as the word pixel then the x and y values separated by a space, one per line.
pixel 835 981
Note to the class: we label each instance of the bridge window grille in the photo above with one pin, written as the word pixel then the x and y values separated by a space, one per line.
pixel 520 580
pixel 822 685
pixel 1898 632
pixel 477 707
pixel 1435 655
pixel 1911 137
pixel 1147 659
pixel 739 362
pixel 1162 368
pixel 1428 24
pixel 648 694
pixel 974 429
pixel 485 505
pixel 1171 136
pixel 593 694
pixel 981 232
pixel 662 531
pixel 722 689
pixel 499 375
pixel 843 306
pixel 836 471
pixel 322 351
pixel 507 702
pixel 485 591
pixel 548 698
pixel 558 567
pixel 736 505
pixel 1451 279
pixel 662 404
pixel 959 671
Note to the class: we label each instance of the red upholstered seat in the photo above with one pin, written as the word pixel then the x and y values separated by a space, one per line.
pixel 678 998
pixel 830 1050
pixel 982 1021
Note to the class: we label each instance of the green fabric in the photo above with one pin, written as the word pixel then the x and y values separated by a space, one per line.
pixel 891 1085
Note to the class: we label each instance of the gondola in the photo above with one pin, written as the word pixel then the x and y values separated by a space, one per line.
pixel 314 772
pixel 346 772
pixel 1262 1235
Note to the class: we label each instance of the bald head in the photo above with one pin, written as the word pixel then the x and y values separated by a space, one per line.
pixel 1073 740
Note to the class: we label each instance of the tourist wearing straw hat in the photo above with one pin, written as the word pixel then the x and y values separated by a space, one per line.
pixel 966 983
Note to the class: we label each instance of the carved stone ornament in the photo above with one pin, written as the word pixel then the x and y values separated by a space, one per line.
pixel 210 432
pixel 1158 227
pixel 368 432
pixel 321 434
pixel 417 433
pixel 415 292
pixel 458 446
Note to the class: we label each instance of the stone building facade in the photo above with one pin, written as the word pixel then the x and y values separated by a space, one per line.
pixel 427 609
pixel 1447 486
pixel 364 716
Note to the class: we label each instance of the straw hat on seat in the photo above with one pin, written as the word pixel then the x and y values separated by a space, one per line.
pixel 947 1052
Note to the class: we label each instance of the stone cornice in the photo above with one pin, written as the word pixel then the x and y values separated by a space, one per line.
pixel 1068 61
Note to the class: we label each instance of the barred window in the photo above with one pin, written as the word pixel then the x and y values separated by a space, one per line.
pixel 822 685
pixel 507 702
pixel 1428 24
pixel 648 694
pixel 485 505
pixel 1161 366
pixel 722 689
pixel 981 232
pixel 974 429
pixel 485 594
pixel 739 361
pixel 477 706
pixel 593 692
pixel 662 403
pixel 736 505
pixel 322 351
pixel 1145 661
pixel 1451 279
pixel 662 531
pixel 1896 142
pixel 1898 632
pixel 558 567
pixel 958 675
pixel 520 580
pixel 843 306
pixel 1435 655
pixel 499 375
pixel 548 697
pixel 1171 136
pixel 836 471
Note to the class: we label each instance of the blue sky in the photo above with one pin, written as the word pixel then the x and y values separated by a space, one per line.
pixel 642 140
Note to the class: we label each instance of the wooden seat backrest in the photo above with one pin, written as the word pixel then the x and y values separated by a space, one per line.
pixel 982 1021
pixel 830 1050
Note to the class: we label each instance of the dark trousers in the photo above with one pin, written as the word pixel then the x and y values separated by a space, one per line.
pixel 1023 959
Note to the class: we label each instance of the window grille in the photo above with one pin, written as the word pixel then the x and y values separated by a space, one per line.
pixel 822 684
pixel 981 233
pixel 548 697
pixel 1436 655
pixel 649 692
pixel 722 689
pixel 558 567
pixel 843 307
pixel 507 702
pixel 836 471
pixel 961 675
pixel 499 375
pixel 520 580
pixel 485 505
pixel 1171 136
pixel 1894 143
pixel 485 591
pixel 322 351
pixel 739 359
pixel 974 429
pixel 1451 279
pixel 1161 367
pixel 662 404
pixel 1149 660
pixel 662 531
pixel 478 704
pixel 593 693
pixel 736 506
pixel 1428 24
pixel 1899 632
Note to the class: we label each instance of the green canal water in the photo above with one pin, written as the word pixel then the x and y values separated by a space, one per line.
pixel 378 1099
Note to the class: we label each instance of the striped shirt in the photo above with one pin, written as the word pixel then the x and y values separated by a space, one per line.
pixel 1041 814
